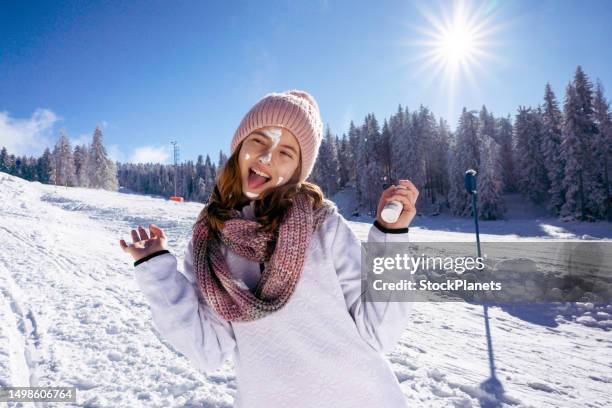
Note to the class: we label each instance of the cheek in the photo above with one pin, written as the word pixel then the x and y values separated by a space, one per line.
pixel 286 171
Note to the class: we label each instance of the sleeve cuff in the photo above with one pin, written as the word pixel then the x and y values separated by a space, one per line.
pixel 390 230
pixel 154 254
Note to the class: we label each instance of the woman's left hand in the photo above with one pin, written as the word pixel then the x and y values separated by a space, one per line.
pixel 406 194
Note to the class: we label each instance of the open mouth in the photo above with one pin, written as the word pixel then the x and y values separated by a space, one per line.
pixel 257 179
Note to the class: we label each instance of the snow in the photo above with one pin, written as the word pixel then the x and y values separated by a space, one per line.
pixel 72 314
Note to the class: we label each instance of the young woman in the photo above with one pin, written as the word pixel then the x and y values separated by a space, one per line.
pixel 272 276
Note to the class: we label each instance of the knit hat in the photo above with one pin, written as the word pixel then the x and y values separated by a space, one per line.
pixel 296 111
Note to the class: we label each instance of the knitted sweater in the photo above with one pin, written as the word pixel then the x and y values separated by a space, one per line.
pixel 324 348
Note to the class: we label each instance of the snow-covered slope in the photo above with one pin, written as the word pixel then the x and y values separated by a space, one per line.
pixel 71 314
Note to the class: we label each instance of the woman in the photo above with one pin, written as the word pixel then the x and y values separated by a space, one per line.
pixel 272 274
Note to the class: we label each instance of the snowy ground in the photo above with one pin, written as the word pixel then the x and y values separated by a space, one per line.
pixel 72 314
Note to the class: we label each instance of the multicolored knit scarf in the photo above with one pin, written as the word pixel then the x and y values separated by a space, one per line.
pixel 284 251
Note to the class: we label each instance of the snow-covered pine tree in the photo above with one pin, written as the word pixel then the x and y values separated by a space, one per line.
pixel 398 126
pixel 81 157
pixel 532 178
pixel 595 193
pixel 101 171
pixel 384 151
pixel 327 163
pixel 44 167
pixel 63 173
pixel 584 189
pixel 571 151
pixel 200 184
pixel 490 201
pixel 344 158
pixel 603 120
pixel 466 155
pixel 354 139
pixel 4 160
pixel 552 122
pixel 370 173
pixel 440 159
pixel 506 153
pixel 420 134
pixel 209 177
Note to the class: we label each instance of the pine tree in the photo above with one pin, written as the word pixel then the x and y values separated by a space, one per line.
pixel 327 165
pixel 4 160
pixel 594 190
pixel 466 155
pixel 101 171
pixel 368 173
pixel 506 154
pixel 81 158
pixel 354 140
pixel 385 150
pixel 552 122
pixel 532 178
pixel 44 167
pixel 399 125
pixel 440 159
pixel 584 190
pixel 344 158
pixel 490 202
pixel 571 151
pixel 63 173
pixel 603 120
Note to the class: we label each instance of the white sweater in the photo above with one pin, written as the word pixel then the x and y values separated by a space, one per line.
pixel 324 348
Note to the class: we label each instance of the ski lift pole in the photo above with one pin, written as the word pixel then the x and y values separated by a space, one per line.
pixel 470 186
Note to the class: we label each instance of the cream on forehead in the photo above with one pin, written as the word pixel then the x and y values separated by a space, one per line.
pixel 273 133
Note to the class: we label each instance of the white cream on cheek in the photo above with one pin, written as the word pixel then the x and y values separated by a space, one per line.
pixel 280 180
pixel 250 194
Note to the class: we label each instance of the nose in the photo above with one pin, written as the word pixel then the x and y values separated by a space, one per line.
pixel 266 157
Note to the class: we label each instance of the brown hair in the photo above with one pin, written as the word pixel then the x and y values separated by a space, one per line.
pixel 271 207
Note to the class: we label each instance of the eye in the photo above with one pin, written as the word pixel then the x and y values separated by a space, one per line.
pixel 286 154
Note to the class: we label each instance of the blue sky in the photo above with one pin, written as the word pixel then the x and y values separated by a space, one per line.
pixel 154 71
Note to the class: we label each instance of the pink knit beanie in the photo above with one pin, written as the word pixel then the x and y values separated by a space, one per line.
pixel 295 110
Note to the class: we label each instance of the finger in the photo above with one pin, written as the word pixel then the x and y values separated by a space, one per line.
pixel 123 244
pixel 158 231
pixel 410 185
pixel 405 201
pixel 143 233
pixel 407 193
pixel 135 237
pixel 389 191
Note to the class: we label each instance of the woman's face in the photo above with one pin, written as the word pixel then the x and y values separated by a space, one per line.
pixel 271 151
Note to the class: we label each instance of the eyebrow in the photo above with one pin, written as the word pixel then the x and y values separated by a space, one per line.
pixel 283 145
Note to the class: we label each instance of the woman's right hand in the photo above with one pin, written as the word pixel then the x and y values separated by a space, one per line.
pixel 143 244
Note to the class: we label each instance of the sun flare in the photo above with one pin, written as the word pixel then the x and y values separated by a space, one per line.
pixel 456 45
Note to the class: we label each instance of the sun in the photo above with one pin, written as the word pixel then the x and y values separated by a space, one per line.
pixel 456 46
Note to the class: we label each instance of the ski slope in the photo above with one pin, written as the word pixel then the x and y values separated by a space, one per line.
pixel 72 315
